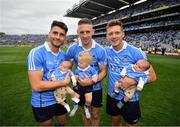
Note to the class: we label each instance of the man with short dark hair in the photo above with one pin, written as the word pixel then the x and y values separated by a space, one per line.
pixel 42 60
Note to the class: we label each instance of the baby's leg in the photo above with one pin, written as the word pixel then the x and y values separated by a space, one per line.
pixel 66 106
pixel 130 92
pixel 88 100
pixel 128 95
pixel 75 99
pixel 74 96
pixel 60 94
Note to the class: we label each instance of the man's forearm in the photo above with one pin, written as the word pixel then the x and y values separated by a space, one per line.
pixel 47 85
pixel 102 73
pixel 127 82
pixel 152 75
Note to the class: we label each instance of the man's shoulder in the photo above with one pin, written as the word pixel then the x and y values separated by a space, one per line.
pixel 38 49
pixel 73 45
pixel 108 49
pixel 132 47
pixel 98 46
pixel 134 50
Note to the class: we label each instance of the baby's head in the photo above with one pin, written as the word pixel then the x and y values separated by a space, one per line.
pixel 84 59
pixel 142 65
pixel 65 66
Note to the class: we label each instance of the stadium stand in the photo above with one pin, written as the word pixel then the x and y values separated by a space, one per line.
pixel 25 39
pixel 28 39
pixel 150 24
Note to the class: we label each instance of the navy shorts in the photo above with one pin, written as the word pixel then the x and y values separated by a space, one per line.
pixel 45 113
pixel 130 111
pixel 96 99
pixel 82 90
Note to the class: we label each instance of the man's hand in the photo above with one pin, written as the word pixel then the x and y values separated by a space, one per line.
pixel 67 80
pixel 86 81
pixel 126 82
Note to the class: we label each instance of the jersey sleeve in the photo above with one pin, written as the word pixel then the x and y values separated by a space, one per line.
pixel 123 72
pixel 70 53
pixel 145 77
pixel 140 84
pixel 102 59
pixel 71 73
pixel 139 54
pixel 35 61
pixel 94 72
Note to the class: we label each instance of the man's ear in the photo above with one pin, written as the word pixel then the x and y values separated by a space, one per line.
pixel 93 31
pixel 123 34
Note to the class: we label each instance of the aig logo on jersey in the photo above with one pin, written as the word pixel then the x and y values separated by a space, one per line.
pixel 116 60
pixel 49 62
pixel 125 59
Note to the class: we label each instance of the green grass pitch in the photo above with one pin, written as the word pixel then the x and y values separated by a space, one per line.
pixel 160 102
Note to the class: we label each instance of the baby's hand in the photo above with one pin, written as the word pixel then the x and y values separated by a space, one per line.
pixel 75 83
pixel 117 85
pixel 122 76
pixel 77 77
pixel 53 79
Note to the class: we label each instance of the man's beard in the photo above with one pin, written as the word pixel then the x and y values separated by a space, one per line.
pixel 57 46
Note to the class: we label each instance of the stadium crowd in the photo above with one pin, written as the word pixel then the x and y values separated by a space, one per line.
pixel 157 38
pixel 135 10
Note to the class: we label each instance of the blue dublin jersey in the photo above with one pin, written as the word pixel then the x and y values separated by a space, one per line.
pixel 136 75
pixel 98 53
pixel 59 75
pixel 117 60
pixel 89 71
pixel 43 59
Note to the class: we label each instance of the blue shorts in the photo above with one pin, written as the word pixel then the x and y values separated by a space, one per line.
pixel 130 111
pixel 96 99
pixel 82 90
pixel 45 113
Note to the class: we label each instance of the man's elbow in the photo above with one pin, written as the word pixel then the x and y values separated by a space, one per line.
pixel 152 79
pixel 36 88
pixel 104 73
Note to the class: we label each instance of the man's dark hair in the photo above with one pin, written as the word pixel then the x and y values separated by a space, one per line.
pixel 84 21
pixel 59 24
pixel 114 22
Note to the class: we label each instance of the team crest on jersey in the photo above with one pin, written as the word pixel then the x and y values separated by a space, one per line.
pixel 94 57
pixel 125 59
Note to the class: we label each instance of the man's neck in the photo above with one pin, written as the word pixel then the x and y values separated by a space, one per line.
pixel 53 48
pixel 87 46
pixel 119 47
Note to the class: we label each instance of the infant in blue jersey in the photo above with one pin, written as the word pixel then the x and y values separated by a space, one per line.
pixel 85 70
pixel 139 73
pixel 60 93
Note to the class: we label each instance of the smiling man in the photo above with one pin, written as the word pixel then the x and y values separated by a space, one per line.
pixel 42 60
pixel 120 55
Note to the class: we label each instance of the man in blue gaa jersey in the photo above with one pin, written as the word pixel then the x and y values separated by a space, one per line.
pixel 139 72
pixel 85 32
pixel 120 55
pixel 41 60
